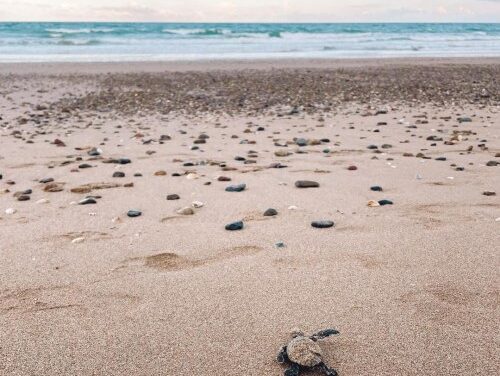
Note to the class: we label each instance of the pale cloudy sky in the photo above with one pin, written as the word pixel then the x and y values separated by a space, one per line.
pixel 251 10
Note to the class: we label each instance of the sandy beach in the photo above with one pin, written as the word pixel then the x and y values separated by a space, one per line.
pixel 410 280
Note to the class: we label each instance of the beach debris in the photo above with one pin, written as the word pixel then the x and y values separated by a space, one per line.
pixel 87 188
pixel 53 187
pixel 304 353
pixel 322 224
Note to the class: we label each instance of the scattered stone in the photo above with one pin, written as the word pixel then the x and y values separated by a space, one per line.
pixel 234 226
pixel 173 197
pixel 306 184
pixel 322 224
pixel 186 211
pixel 197 204
pixel 236 188
pixel 46 180
pixel 270 212
pixel 385 202
pixel 373 203
pixel 10 211
pixel 352 168
pixel 118 174
pixel 376 188
pixel 87 201
pixel 134 213
pixel 43 201
pixel 489 193
pixel 78 240
pixel 492 163
pixel 160 173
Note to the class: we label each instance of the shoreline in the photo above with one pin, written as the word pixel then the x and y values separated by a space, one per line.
pixel 232 64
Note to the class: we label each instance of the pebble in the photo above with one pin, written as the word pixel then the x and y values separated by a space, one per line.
pixel 373 203
pixel 376 188
pixel 160 173
pixel 134 213
pixel 385 202
pixel 234 226
pixel 87 201
pixel 43 201
pixel 489 193
pixel 78 240
pixel 270 212
pixel 23 198
pixel 46 180
pixel 186 211
pixel 10 211
pixel 173 197
pixel 352 168
pixel 118 174
pixel 197 204
pixel 236 188
pixel 322 224
pixel 492 163
pixel 306 184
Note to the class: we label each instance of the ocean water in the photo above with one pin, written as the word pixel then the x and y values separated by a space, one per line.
pixel 35 42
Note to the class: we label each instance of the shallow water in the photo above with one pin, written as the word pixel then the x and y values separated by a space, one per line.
pixel 190 41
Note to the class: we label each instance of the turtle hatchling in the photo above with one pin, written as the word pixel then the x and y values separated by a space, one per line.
pixel 304 353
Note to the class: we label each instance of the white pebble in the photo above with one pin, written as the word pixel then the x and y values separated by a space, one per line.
pixel 43 201
pixel 292 207
pixel 10 211
pixel 78 240
pixel 197 204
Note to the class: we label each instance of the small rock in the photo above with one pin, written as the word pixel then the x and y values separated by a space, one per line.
pixel 385 202
pixel 322 224
pixel 270 212
pixel 173 197
pixel 489 193
pixel 118 174
pixel 43 201
pixel 373 203
pixel 492 163
pixel 376 188
pixel 160 173
pixel 186 211
pixel 78 240
pixel 10 211
pixel 234 226
pixel 306 184
pixel 236 188
pixel 134 213
pixel 197 204
pixel 87 201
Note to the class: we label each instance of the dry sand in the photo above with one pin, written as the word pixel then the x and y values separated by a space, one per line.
pixel 412 287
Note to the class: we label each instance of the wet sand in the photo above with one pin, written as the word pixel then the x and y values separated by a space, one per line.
pixel 412 287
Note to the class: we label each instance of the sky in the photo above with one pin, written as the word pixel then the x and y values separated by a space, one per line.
pixel 252 10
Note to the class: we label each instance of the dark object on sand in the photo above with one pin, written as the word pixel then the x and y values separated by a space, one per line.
pixel 303 353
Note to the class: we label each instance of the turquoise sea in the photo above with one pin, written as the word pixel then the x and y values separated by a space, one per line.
pixel 189 41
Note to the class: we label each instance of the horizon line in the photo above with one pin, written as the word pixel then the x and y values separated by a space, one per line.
pixel 265 22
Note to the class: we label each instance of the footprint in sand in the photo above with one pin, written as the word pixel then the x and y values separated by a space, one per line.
pixel 170 261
